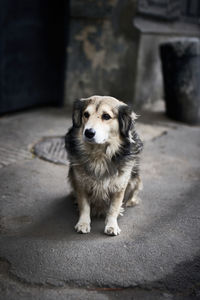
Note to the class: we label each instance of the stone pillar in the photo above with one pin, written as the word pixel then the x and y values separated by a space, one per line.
pixel 181 74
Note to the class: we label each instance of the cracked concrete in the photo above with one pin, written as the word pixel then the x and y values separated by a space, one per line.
pixel 155 257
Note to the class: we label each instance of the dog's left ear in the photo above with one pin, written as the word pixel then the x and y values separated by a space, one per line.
pixel 77 113
pixel 126 119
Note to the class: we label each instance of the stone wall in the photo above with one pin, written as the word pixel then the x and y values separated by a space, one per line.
pixel 102 50
pixel 113 49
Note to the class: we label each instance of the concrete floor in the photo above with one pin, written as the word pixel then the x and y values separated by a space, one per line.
pixel 157 255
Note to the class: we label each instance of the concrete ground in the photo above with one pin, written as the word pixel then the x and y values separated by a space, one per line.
pixel 157 255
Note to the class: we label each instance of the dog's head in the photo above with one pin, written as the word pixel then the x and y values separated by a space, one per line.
pixel 101 119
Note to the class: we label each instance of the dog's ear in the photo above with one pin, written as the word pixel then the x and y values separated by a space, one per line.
pixel 77 113
pixel 126 119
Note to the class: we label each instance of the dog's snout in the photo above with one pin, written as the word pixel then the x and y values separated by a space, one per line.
pixel 90 133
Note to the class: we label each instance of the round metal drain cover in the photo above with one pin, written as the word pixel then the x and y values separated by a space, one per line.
pixel 51 149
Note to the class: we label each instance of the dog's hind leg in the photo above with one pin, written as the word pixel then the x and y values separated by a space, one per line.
pixel 132 190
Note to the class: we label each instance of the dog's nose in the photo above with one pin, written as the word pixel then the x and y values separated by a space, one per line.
pixel 90 133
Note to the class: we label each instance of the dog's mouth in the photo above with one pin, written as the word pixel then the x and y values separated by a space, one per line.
pixel 93 141
pixel 90 141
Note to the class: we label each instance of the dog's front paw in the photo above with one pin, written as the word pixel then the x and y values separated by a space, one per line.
pixel 112 229
pixel 83 227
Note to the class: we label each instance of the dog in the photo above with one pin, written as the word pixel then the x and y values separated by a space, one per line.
pixel 103 149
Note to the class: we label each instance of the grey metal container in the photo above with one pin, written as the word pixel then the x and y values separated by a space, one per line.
pixel 181 74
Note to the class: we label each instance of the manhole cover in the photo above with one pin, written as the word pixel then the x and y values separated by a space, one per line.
pixel 52 149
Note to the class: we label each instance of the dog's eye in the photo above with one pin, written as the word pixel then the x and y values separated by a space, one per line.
pixel 86 115
pixel 106 117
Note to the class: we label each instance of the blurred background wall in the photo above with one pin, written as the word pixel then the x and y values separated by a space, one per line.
pixel 33 38
pixel 113 47
pixel 54 52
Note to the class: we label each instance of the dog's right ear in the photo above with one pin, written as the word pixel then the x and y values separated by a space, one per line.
pixel 77 113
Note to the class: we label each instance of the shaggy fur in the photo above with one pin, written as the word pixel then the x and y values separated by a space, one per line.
pixel 104 173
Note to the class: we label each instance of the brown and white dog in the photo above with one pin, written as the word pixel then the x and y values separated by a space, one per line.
pixel 103 149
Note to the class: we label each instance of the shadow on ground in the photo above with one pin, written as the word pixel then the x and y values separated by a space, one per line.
pixel 57 222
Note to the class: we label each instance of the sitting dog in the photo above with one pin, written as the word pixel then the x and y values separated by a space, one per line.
pixel 103 149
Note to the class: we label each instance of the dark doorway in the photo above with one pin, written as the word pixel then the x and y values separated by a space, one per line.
pixel 32 53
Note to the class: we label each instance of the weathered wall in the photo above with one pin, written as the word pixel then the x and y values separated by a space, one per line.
pixel 114 50
pixel 102 50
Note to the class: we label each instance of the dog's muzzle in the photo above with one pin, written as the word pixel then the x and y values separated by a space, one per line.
pixel 90 133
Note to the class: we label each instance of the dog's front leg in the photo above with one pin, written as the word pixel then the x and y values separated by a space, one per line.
pixel 112 227
pixel 83 225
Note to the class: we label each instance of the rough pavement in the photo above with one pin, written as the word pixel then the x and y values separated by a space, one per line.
pixel 157 255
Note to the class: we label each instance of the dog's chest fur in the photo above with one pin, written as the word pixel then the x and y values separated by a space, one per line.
pixel 96 178
pixel 100 188
pixel 100 191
